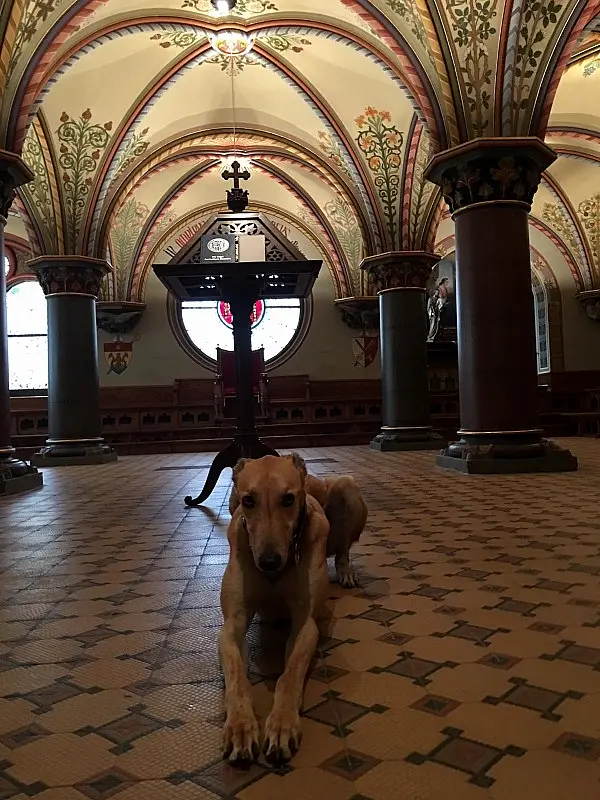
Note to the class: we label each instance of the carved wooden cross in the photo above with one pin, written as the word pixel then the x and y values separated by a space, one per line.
pixel 235 173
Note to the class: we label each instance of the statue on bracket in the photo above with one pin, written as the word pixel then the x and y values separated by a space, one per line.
pixel 441 303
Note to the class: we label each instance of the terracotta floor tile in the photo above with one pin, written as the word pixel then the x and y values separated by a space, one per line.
pixel 466 665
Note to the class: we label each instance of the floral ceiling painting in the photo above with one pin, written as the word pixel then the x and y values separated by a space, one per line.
pixel 127 114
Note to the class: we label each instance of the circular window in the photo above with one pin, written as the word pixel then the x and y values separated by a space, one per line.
pixel 278 326
pixel 9 261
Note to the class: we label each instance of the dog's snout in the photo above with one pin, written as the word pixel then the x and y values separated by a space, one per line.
pixel 270 562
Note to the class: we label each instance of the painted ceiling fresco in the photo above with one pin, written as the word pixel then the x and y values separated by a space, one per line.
pixel 128 111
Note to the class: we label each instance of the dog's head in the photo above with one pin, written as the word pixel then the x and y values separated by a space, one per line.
pixel 272 500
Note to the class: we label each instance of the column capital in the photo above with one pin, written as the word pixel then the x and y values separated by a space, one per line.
pixel 499 168
pixel 590 301
pixel 403 269
pixel 13 172
pixel 70 274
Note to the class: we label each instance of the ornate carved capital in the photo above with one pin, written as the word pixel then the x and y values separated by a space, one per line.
pixel 591 302
pixel 408 269
pixel 118 317
pixel 491 169
pixel 13 172
pixel 70 274
pixel 359 313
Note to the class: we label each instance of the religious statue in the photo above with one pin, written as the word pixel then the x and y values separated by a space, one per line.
pixel 435 305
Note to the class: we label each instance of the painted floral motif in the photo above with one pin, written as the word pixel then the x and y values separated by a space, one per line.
pixel 234 65
pixel 534 31
pixel 135 147
pixel 472 27
pixel 180 39
pixel 344 222
pixel 282 42
pixel 82 143
pixel 242 8
pixel 589 214
pixel 38 191
pixel 421 191
pixel 35 13
pixel 589 67
pixel 331 148
pixel 555 216
pixel 381 143
pixel 407 11
pixel 123 237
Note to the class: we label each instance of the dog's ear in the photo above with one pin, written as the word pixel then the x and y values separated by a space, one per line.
pixel 298 462
pixel 238 468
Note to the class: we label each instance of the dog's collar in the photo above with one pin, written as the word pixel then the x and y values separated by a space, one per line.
pixel 296 534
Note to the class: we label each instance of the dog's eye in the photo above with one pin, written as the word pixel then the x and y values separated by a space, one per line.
pixel 248 501
pixel 288 500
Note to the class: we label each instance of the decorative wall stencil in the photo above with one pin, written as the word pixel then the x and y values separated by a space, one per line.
pixel 420 193
pixel 589 214
pixel 333 151
pixel 472 28
pixel 590 66
pixel 556 217
pixel 180 39
pixel 243 8
pixel 408 12
pixel 381 142
pixel 535 32
pixel 344 222
pixel 35 13
pixel 38 192
pixel 135 147
pixel 234 65
pixel 123 237
pixel 282 42
pixel 81 145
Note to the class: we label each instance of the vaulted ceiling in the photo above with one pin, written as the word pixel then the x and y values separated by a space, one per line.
pixel 128 112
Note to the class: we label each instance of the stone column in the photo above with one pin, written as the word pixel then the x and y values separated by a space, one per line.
pixel 400 279
pixel 71 285
pixel 489 185
pixel 15 475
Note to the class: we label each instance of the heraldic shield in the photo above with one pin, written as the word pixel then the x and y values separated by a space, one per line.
pixel 364 350
pixel 118 356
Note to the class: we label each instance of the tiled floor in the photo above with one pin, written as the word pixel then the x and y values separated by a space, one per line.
pixel 467 666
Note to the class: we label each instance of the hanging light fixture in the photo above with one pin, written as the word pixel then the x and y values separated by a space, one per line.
pixel 223 7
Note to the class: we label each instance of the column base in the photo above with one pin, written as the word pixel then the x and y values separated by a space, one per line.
pixel 394 439
pixel 506 455
pixel 73 454
pixel 16 477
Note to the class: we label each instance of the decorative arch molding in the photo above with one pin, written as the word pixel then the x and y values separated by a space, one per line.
pixel 585 253
pixel 407 72
pixel 31 226
pixel 189 146
pixel 582 13
pixel 556 240
pixel 27 89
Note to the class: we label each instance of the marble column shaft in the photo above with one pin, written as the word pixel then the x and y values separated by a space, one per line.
pixel 71 285
pixel 401 279
pixel 489 185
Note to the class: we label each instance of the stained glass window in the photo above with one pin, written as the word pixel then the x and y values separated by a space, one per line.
pixel 7 264
pixel 275 323
pixel 27 337
pixel 541 325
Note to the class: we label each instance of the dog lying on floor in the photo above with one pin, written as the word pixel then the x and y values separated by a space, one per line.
pixel 279 539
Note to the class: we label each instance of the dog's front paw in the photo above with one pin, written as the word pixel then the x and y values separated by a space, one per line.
pixel 346 576
pixel 241 744
pixel 282 735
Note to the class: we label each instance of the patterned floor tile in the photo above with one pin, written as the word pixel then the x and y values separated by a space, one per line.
pixel 473 613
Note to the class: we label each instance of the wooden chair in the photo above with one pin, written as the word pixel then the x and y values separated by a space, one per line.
pixel 226 384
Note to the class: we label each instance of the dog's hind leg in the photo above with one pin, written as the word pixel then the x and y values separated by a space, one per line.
pixel 347 514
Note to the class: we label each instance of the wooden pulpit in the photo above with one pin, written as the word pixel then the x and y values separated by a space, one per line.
pixel 240 284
